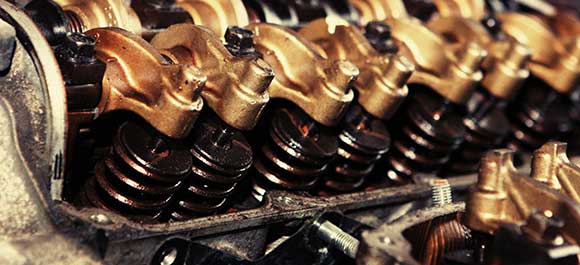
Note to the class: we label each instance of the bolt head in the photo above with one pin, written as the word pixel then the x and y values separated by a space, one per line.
pixel 239 39
pixel 377 29
pixel 379 34
pixel 80 47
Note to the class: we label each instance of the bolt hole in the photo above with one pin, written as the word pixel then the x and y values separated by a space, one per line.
pixel 172 252
pixel 169 257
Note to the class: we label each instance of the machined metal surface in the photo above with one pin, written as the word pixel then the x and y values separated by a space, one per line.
pixel 285 132
pixel 236 88
pixel 139 79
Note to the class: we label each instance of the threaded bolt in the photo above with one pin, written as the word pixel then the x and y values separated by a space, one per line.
pixel 334 236
pixel 441 192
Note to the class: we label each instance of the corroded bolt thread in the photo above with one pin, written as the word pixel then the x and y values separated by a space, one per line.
pixel 337 238
pixel 517 55
pixel 441 192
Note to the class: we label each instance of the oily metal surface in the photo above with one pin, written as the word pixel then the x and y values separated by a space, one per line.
pixel 236 87
pixel 554 60
pixel 381 84
pixel 139 79
pixel 451 74
pixel 279 206
pixel 86 15
pixel 502 195
pixel 217 15
pixel 505 66
pixel 388 245
pixel 319 86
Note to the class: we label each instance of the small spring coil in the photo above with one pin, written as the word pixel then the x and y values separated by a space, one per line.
pixel 296 153
pixel 139 176
pixel 486 127
pixel 362 142
pixel 427 130
pixel 538 114
pixel 221 158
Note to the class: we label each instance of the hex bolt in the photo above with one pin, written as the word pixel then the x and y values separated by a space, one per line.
pixel 239 41
pixel 81 47
pixel 7 45
pixel 379 35
pixel 335 237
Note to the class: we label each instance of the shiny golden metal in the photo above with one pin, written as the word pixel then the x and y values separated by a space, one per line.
pixel 452 74
pixel 85 15
pixel 217 15
pixel 370 10
pixel 551 165
pixel 236 88
pixel 555 61
pixel 319 86
pixel 473 9
pixel 381 84
pixel 139 79
pixel 502 195
pixel 506 64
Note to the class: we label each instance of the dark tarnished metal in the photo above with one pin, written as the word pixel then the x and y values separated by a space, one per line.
pixel 379 35
pixel 296 152
pixel 140 175
pixel 362 142
pixel 7 45
pixel 486 127
pixel 240 41
pixel 426 131
pixel 221 158
pixel 158 15
pixel 537 115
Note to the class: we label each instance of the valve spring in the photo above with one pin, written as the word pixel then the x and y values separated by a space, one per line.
pixel 362 142
pixel 538 114
pixel 486 127
pixel 427 130
pixel 140 175
pixel 296 153
pixel 222 157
